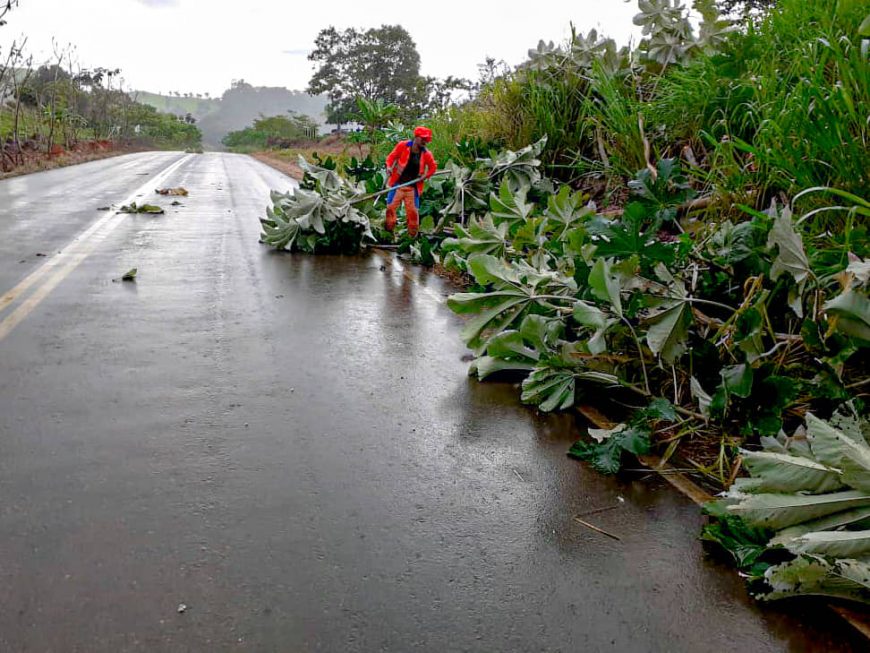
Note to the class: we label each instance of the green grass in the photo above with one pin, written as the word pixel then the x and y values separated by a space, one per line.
pixel 32 122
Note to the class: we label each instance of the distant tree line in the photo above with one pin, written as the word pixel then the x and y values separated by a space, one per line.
pixel 56 104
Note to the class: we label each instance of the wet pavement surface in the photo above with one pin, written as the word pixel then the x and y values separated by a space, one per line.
pixel 290 447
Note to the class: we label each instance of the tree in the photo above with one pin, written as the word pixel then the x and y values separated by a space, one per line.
pixel 376 64
pixel 744 7
pixel 5 8
pixel 374 114
pixel 437 94
pixel 274 131
pixel 490 70
pixel 51 82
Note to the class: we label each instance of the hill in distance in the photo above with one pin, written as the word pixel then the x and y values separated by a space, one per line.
pixel 198 107
pixel 237 108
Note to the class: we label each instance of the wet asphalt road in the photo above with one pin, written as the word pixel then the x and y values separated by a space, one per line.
pixel 290 447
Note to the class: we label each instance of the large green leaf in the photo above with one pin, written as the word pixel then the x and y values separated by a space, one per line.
pixel 496 312
pixel 552 386
pixel 519 350
pixel 592 317
pixel 605 284
pixel 737 380
pixel 509 206
pixel 506 351
pixel 834 544
pixel 542 333
pixel 510 344
pixel 549 388
pixel 517 287
pixel 631 236
pixel 325 178
pixel 520 168
pixel 668 331
pixel 806 575
pixel 782 510
pixel 741 243
pixel 851 310
pixel 838 449
pixel 831 522
pixel 471 190
pixel 484 366
pixel 605 455
pixel 749 333
pixel 810 524
pixel 479 236
pixel 565 210
pixel 791 257
pixel 778 472
pixel 850 424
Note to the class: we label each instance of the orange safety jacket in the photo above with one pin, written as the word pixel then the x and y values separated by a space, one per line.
pixel 398 159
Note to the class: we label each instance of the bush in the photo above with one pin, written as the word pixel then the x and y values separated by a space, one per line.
pixel 274 131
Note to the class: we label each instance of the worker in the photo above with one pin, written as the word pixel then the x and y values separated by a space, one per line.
pixel 408 161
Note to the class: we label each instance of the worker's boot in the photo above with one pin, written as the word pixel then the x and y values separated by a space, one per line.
pixel 413 221
pixel 390 223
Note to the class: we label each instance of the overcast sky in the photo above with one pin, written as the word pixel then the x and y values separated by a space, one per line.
pixel 201 45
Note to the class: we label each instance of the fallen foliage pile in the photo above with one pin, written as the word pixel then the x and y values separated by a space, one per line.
pixel 801 523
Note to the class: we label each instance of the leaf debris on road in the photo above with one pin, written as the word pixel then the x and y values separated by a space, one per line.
pixel 132 207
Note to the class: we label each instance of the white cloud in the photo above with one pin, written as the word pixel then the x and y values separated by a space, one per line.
pixel 159 3
pixel 201 45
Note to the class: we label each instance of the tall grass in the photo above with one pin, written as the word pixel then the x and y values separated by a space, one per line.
pixel 783 106
pixel 812 95
pixel 614 127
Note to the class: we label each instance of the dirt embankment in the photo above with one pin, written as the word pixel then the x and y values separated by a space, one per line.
pixel 280 164
pixel 34 160
pixel 284 160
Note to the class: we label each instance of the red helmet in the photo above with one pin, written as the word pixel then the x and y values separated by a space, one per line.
pixel 425 133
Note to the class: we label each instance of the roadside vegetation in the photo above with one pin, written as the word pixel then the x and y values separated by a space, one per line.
pixel 57 112
pixel 675 233
pixel 280 132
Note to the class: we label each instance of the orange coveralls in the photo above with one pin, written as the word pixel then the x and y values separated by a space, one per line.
pixel 397 160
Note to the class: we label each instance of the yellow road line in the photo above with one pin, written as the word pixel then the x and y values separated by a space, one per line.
pixel 70 257
pixel 70 263
pixel 11 295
